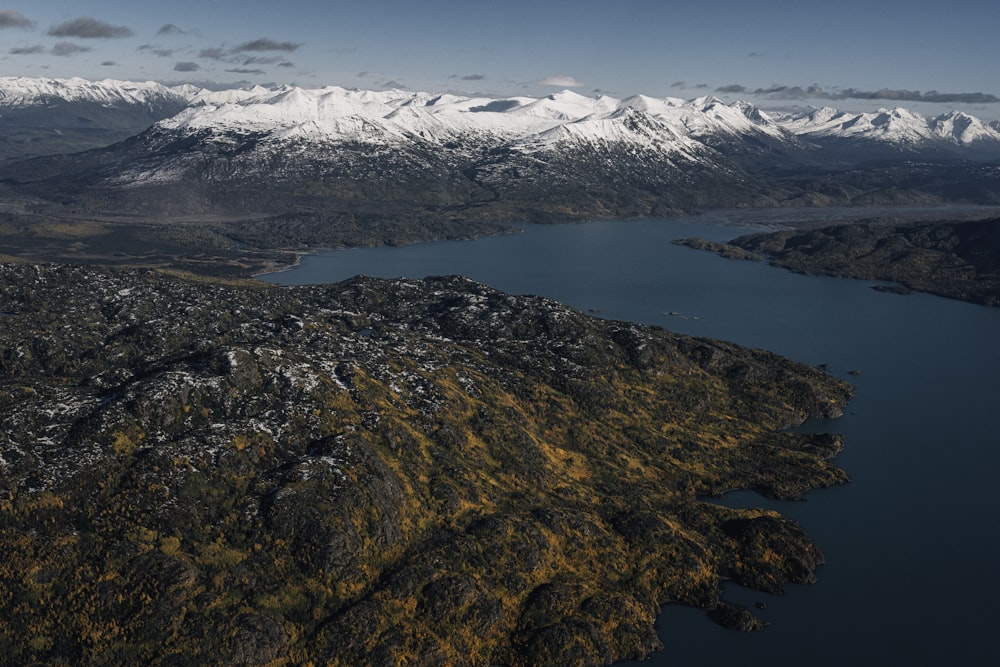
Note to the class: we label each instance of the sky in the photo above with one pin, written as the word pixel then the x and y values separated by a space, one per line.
pixel 858 56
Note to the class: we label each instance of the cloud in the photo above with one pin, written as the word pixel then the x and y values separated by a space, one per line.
pixel 814 91
pixel 236 55
pixel 11 19
pixel 392 84
pixel 262 60
pixel 69 49
pixel 163 53
pixel 917 96
pixel 171 29
pixel 88 28
pixel 26 50
pixel 756 54
pixel 109 63
pixel 686 86
pixel 213 54
pixel 186 66
pixel 560 81
pixel 473 77
pixel 265 44
pixel 793 92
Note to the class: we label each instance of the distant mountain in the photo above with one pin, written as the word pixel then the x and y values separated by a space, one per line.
pixel 40 116
pixel 895 132
pixel 561 155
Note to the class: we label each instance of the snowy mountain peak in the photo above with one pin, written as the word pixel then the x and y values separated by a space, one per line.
pixel 707 101
pixel 653 105
pixel 752 113
pixel 963 129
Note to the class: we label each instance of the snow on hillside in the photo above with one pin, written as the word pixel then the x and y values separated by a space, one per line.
pixel 18 91
pixel 625 126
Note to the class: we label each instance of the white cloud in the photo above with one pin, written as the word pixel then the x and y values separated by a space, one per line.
pixel 561 82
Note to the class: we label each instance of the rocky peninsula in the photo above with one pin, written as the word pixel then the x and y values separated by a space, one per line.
pixel 377 472
pixel 954 259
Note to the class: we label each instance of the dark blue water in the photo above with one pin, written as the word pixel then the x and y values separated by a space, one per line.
pixel 913 543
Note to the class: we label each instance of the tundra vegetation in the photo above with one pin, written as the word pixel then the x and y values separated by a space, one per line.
pixel 377 472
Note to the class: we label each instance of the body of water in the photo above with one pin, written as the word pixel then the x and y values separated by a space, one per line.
pixel 912 543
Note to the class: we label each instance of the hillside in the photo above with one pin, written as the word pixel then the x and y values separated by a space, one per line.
pixel 377 472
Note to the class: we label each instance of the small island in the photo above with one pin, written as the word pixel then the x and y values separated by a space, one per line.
pixel 378 472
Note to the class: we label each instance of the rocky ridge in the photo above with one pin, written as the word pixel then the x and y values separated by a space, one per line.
pixel 376 472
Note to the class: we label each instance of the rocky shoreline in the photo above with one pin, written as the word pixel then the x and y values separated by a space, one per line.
pixel 377 472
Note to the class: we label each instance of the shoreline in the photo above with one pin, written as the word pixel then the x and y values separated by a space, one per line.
pixel 152 243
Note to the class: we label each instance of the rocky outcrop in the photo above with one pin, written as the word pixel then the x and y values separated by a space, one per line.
pixel 736 617
pixel 376 472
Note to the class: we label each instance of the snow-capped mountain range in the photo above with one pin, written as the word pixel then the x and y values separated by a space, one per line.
pixel 338 115
pixel 897 127
pixel 20 92
pixel 317 112
pixel 567 154
pixel 321 114
pixel 335 115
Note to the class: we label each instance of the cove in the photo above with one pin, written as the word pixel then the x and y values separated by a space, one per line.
pixel 911 544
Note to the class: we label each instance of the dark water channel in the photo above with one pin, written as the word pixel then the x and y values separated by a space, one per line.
pixel 912 544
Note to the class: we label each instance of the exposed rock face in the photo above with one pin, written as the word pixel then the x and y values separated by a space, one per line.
pixel 376 472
